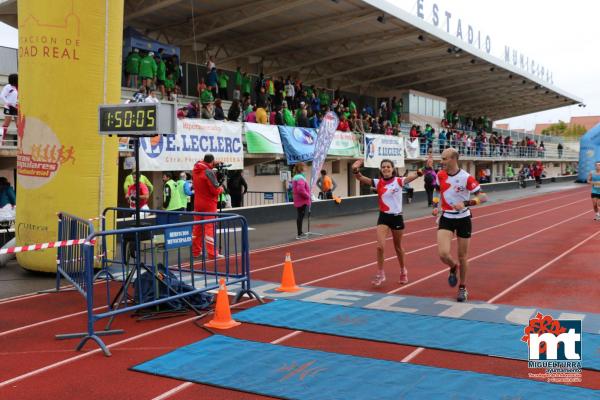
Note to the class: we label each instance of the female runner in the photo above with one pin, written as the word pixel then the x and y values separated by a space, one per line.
pixel 389 190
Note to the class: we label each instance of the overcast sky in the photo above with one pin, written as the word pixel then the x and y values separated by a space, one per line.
pixel 561 35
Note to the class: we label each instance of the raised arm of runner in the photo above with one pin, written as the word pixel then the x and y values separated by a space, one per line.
pixel 359 177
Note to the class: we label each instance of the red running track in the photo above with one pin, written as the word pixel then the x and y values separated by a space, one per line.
pixel 522 252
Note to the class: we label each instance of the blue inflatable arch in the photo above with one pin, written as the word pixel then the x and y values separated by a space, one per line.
pixel 589 152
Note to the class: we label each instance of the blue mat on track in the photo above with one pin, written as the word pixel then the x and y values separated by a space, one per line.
pixel 485 338
pixel 294 373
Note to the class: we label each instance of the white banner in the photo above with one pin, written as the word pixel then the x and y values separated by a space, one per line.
pixel 412 148
pixel 262 138
pixel 194 139
pixel 382 147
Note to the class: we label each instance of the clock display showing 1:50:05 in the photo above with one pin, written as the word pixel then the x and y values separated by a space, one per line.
pixel 128 119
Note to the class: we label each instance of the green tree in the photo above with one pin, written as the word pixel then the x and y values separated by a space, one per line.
pixel 561 128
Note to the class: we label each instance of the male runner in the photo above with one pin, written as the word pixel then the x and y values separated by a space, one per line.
pixel 594 180
pixel 455 187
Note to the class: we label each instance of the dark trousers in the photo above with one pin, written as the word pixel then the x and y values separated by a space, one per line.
pixel 223 93
pixel 429 190
pixel 237 199
pixel 300 219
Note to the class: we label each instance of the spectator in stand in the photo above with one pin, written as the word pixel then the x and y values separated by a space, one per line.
pixel 324 98
pixel 313 120
pixel 302 121
pixel 212 81
pixel 170 87
pixel 238 84
pixel 288 117
pixel 270 89
pixel 193 109
pixel 442 141
pixel 234 111
pixel 207 111
pixel 151 97
pixel 237 188
pixel 343 124
pixel 201 87
pixel 210 64
pixel 161 75
pixel 261 112
pixel 290 92
pixel 132 68
pixel 148 69
pixel 223 85
pixel 139 96
pixel 246 85
pixel 262 97
pixel 430 179
pixel 219 114
pixel 251 116
pixel 560 150
pixel 541 149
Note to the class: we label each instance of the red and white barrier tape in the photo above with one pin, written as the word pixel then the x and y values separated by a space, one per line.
pixel 44 246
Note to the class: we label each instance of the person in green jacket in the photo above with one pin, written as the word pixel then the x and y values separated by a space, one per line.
pixel 172 200
pixel 148 70
pixel 288 117
pixel 223 85
pixel 246 85
pixel 130 180
pixel 161 75
pixel 170 86
pixel 510 173
pixel 324 98
pixel 132 68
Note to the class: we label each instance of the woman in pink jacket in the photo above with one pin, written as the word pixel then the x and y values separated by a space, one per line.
pixel 301 194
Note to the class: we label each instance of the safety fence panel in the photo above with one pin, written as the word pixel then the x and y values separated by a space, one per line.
pixel 73 233
pixel 168 262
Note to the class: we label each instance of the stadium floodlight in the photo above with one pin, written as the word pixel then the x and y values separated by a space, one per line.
pixel 547 92
pixel 536 87
pixel 421 38
pixel 510 76
pixel 473 61
pixel 381 19
pixel 523 81
pixel 492 69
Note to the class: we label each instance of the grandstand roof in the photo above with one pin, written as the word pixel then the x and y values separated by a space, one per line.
pixel 342 43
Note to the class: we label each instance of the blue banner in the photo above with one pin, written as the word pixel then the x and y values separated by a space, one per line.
pixel 298 143
pixel 178 237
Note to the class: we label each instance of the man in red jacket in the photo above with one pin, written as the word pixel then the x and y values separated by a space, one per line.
pixel 206 193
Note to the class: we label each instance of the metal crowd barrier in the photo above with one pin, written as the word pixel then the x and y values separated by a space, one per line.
pixel 70 260
pixel 264 198
pixel 153 270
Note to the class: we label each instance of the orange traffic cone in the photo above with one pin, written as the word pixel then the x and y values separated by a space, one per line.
pixel 222 318
pixel 288 282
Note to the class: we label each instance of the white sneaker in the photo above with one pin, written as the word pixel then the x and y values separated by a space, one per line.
pixel 597 217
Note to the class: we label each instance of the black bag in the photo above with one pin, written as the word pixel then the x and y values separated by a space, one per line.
pixel 146 287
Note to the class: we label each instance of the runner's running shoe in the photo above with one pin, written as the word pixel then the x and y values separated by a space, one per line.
pixel 463 294
pixel 378 280
pixel 403 276
pixel 452 280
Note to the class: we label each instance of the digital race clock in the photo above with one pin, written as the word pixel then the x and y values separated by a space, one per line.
pixel 136 119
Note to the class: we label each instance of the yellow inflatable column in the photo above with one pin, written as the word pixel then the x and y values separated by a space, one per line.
pixel 69 63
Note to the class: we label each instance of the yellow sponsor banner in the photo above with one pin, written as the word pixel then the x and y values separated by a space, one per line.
pixel 69 63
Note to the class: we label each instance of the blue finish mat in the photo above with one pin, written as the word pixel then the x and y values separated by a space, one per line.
pixel 485 338
pixel 294 373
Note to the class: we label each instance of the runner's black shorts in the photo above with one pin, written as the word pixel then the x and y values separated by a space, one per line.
pixel 595 195
pixel 393 221
pixel 462 226
pixel 11 111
